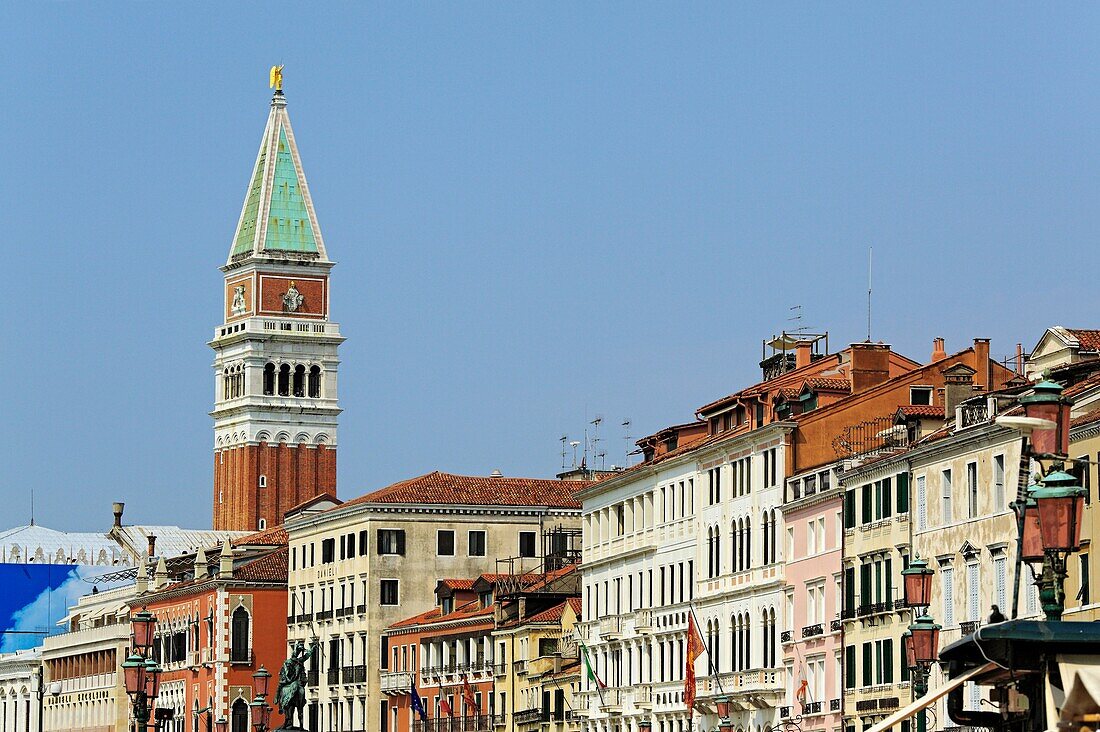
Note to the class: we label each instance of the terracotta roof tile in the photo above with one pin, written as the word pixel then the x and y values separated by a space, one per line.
pixel 828 384
pixel 445 488
pixel 326 496
pixel 275 536
pixel 550 615
pixel 1089 339
pixel 921 410
pixel 458 584
pixel 268 568
pixel 1084 419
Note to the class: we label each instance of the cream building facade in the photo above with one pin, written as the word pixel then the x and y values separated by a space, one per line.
pixel 359 567
pixel 20 676
pixel 86 691
pixel 693 532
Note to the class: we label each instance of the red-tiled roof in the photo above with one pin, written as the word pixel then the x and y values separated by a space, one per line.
pixel 1084 419
pixel 921 410
pixel 457 584
pixel 550 615
pixel 268 568
pixel 822 383
pixel 471 609
pixel 327 496
pixel 1089 339
pixel 275 536
pixel 467 490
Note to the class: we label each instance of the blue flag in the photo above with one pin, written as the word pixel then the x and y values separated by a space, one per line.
pixel 415 704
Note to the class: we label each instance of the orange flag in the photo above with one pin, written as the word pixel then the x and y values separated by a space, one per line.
pixel 695 649
pixel 468 695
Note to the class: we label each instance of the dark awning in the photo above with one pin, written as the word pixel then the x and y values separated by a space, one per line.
pixel 1020 645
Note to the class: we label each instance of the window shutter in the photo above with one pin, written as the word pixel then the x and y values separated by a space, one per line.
pixel 378 541
pixel 903 492
pixel 868 675
pixel 865 584
pixel 850 667
pixel 850 590
pixel 401 542
pixel 886 501
pixel 889 570
pixel 867 507
pixel 888 661
pixel 850 509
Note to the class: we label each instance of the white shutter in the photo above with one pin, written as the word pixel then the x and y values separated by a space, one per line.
pixel 922 504
pixel 948 575
pixel 1000 566
pixel 973 590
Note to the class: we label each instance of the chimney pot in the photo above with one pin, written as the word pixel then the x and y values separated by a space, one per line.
pixel 938 350
pixel 870 365
pixel 152 545
pixel 982 365
pixel 117 508
pixel 803 353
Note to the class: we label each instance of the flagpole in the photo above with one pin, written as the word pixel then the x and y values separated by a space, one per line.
pixel 588 665
pixel 710 659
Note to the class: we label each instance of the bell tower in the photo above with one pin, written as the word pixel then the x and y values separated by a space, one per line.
pixel 275 353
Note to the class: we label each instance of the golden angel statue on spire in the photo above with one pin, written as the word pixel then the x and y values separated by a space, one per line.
pixel 277 78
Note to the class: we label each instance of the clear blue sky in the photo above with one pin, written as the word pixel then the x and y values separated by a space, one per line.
pixel 537 213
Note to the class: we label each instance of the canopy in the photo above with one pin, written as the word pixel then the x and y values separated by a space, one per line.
pixel 929 698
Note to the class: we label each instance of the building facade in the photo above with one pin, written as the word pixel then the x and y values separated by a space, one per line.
pixel 359 567
pixel 20 677
pixel 275 353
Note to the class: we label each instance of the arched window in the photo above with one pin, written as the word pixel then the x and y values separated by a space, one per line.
pixel 717 551
pixel 225 383
pixel 748 641
pixel 239 716
pixel 747 564
pixel 261 525
pixel 735 646
pixel 764 544
pixel 240 652
pixel 299 380
pixel 716 646
pixel 269 379
pixel 240 380
pixel 284 380
pixel 315 381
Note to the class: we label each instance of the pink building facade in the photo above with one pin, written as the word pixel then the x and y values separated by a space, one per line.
pixel 812 641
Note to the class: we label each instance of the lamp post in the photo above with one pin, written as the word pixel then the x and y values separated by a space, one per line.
pixel 140 673
pixel 259 709
pixel 922 640
pixel 1059 506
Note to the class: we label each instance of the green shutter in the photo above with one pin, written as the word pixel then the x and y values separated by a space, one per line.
pixel 868 663
pixel 903 492
pixel 850 590
pixel 850 509
pixel 849 667
pixel 886 507
pixel 888 661
pixel 865 584
pixel 867 504
pixel 889 569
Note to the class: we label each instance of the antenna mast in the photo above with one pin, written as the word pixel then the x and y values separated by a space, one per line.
pixel 626 436
pixel 564 439
pixel 870 252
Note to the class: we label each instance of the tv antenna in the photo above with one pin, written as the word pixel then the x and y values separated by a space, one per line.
pixel 574 444
pixel 870 252
pixel 596 453
pixel 799 327
pixel 564 439
pixel 626 437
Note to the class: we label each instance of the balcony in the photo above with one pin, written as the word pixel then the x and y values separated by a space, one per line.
pixel 811 630
pixel 643 621
pixel 324 615
pixel 241 656
pixel 836 624
pixel 834 705
pixel 311 677
pixel 305 618
pixel 866 705
pixel 527 716
pixel 643 696
pixel 786 636
pixel 482 723
pixel 354 674
pixel 333 676
pixel 519 667
pixel 811 707
pixel 361 609
pixel 611 700
pixel 500 669
pixel 973 414
pixel 969 626
pixel 784 712
pixel 395 682
pixel 611 627
pixel 888 703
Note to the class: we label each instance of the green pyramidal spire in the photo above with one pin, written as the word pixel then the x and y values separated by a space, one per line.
pixel 278 219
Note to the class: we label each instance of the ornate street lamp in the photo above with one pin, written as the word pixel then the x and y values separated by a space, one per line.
pixel 143 625
pixel 133 675
pixel 261 714
pixel 1032 547
pixel 1046 402
pixel 221 725
pixel 917 579
pixel 924 637
pixel 1060 504
pixel 260 681
pixel 152 678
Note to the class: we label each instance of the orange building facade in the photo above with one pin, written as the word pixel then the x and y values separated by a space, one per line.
pixel 214 630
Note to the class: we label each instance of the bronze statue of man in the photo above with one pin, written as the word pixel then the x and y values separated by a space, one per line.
pixel 291 694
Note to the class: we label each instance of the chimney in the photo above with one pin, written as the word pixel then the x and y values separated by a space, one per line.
pixel 984 369
pixel 201 567
pixel 225 562
pixel 1019 359
pixel 938 351
pixel 152 545
pixel 958 385
pixel 803 353
pixel 117 508
pixel 870 365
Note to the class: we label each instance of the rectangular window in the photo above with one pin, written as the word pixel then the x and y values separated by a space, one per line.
pixel 363 542
pixel 391 541
pixel 922 504
pixel 328 551
pixel 868 664
pixel 973 592
pixel 945 484
pixel 1083 593
pixel 972 489
pixel 850 667
pixel 477 544
pixel 999 503
pixel 1000 581
pixel 527 543
pixel 387 592
pixel 868 511
pixel 920 395
pixel 850 509
pixel 445 543
pixel 902 480
pixel 947 582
